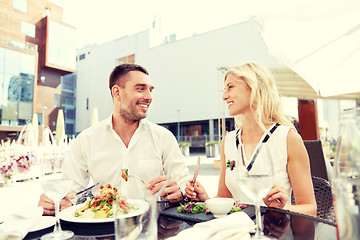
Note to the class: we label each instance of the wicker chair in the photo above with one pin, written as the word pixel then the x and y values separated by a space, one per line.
pixel 317 160
pixel 324 199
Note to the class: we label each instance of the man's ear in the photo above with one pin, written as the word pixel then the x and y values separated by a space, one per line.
pixel 115 90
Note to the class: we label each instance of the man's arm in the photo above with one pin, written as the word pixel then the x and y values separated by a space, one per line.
pixel 174 167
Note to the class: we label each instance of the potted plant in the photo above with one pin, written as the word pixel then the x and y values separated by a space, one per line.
pixel 185 148
pixel 212 148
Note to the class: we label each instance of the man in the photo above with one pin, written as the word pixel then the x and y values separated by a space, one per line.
pixel 126 140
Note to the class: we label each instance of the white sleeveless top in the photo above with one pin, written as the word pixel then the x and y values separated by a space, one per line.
pixel 278 151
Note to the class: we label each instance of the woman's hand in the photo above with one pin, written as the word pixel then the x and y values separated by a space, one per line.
pixel 195 192
pixel 277 197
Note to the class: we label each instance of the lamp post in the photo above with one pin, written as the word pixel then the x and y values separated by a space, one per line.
pixel 178 125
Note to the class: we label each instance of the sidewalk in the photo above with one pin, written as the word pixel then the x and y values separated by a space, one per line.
pixel 26 194
pixel 208 175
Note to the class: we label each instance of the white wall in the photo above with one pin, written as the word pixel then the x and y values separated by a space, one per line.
pixel 184 72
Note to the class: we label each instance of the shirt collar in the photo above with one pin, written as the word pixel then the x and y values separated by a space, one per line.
pixel 109 122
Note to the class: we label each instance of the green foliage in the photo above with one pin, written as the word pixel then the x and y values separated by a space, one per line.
pixel 212 143
pixel 185 144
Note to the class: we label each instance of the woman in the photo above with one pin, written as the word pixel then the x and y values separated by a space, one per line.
pixel 252 97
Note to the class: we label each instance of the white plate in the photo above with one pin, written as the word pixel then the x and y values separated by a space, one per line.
pixel 45 222
pixel 68 214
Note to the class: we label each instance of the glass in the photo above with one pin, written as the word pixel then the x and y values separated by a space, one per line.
pixel 142 223
pixel 257 182
pixel 56 189
pixel 346 179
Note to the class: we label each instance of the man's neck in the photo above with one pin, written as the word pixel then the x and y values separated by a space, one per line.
pixel 124 129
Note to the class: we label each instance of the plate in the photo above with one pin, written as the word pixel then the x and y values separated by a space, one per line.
pixel 45 222
pixel 68 214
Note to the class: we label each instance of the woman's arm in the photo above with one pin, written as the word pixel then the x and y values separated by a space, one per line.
pixel 298 168
pixel 223 191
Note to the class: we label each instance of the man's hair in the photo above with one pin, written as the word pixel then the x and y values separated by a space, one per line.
pixel 121 70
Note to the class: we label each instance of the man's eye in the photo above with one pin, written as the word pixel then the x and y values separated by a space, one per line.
pixel 140 89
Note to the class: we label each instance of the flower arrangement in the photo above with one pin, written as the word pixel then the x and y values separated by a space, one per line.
pixel 16 160
pixel 24 160
pixel 6 165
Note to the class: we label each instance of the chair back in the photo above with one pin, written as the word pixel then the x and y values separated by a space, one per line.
pixel 324 199
pixel 317 160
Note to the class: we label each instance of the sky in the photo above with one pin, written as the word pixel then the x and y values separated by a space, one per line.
pixel 102 21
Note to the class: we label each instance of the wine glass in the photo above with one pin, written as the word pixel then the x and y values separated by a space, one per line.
pixel 140 223
pixel 257 181
pixel 56 189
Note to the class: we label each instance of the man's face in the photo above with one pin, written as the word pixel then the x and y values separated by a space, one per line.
pixel 135 97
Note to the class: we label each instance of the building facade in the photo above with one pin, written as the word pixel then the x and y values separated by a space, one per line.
pixel 36 49
pixel 187 75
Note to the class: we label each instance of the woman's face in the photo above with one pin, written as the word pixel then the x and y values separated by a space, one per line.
pixel 236 96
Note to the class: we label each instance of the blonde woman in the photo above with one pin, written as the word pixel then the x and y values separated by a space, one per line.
pixel 252 98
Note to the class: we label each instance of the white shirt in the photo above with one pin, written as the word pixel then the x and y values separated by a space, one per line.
pixel 99 153
pixel 278 151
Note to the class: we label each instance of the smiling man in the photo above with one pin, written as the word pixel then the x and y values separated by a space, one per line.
pixel 126 140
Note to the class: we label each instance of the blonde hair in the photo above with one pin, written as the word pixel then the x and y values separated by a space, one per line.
pixel 265 102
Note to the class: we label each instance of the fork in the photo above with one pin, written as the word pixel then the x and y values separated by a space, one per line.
pixel 136 177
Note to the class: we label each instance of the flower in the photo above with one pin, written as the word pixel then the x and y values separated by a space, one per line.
pixel 230 164
pixel 6 165
pixel 16 160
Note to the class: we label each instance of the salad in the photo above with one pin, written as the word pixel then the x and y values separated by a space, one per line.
pixel 125 174
pixel 200 207
pixel 101 206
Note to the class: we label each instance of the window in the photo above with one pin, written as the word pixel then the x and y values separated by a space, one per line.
pixel 28 29
pixel 20 5
pixel 57 100
pixel 82 56
pixel 127 59
pixel 70 114
pixel 69 128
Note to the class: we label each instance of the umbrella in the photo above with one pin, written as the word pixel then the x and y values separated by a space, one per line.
pixel 94 116
pixel 319 41
pixel 35 124
pixel 60 128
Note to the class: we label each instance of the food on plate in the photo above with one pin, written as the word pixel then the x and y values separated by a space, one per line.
pixel 238 207
pixel 102 205
pixel 125 174
pixel 200 207
pixel 193 207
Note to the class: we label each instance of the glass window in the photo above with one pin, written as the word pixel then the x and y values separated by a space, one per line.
pixel 70 114
pixel 20 5
pixel 82 56
pixel 28 29
pixel 61 45
pixel 69 128
pixel 16 86
pixel 57 100
pixel 12 62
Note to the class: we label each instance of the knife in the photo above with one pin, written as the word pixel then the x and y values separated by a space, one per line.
pixel 86 189
pixel 196 171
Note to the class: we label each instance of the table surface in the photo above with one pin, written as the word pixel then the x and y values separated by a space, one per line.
pixel 278 223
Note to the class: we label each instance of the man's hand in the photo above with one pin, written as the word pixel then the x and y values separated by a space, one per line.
pixel 171 192
pixel 49 206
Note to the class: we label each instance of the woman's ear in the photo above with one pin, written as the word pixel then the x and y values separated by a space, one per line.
pixel 115 90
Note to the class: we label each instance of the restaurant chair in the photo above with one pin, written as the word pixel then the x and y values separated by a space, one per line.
pixel 317 159
pixel 324 199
